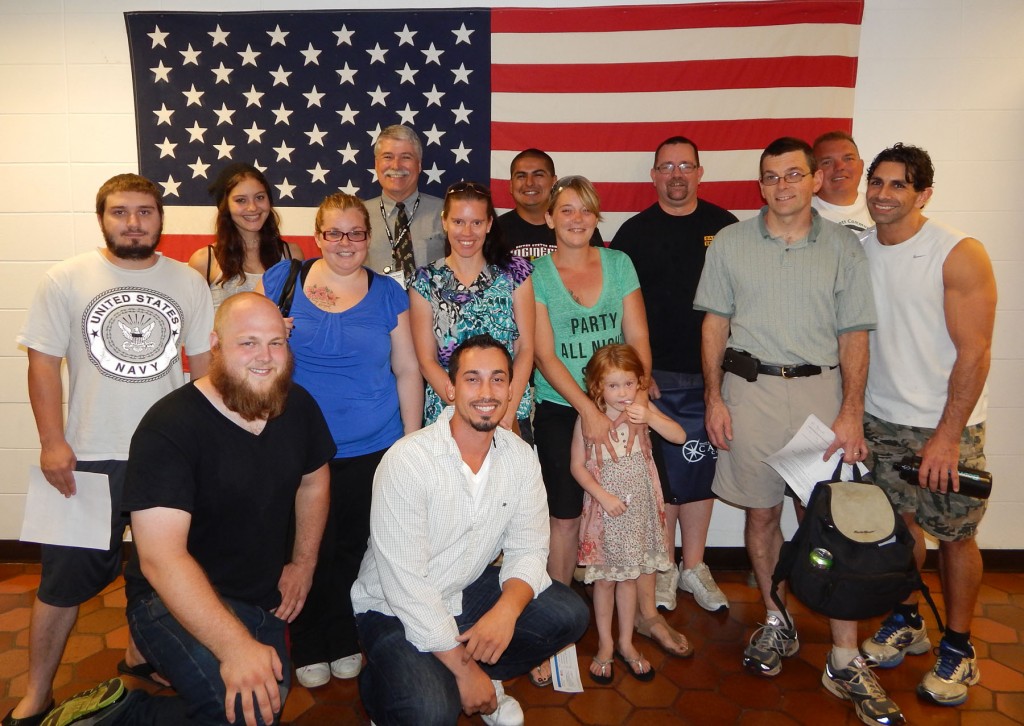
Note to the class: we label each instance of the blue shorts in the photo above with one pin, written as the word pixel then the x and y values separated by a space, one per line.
pixel 686 470
pixel 72 575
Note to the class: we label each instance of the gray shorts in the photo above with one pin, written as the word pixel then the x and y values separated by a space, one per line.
pixel 72 575
pixel 765 415
pixel 949 517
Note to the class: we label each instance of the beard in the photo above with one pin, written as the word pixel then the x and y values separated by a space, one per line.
pixel 132 251
pixel 484 425
pixel 240 397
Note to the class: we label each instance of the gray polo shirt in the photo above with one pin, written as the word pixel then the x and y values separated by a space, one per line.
pixel 787 304
pixel 424 226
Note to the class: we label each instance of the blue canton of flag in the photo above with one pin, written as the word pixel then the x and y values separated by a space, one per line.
pixel 302 96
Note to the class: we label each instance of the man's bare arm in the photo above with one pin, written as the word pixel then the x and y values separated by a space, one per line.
pixel 714 337
pixel 248 667
pixel 970 308
pixel 45 394
pixel 849 424
pixel 311 504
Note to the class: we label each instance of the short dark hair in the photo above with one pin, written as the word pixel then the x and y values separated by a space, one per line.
pixel 532 153
pixel 477 341
pixel 127 183
pixel 920 173
pixel 673 140
pixel 785 145
pixel 834 136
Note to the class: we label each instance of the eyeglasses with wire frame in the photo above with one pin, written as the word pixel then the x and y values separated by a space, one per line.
pixel 791 177
pixel 668 167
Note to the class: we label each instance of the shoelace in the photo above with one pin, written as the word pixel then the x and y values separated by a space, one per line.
pixel 889 627
pixel 769 637
pixel 949 660
pixel 864 677
pixel 704 575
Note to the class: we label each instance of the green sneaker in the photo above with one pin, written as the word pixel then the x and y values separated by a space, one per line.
pixel 88 707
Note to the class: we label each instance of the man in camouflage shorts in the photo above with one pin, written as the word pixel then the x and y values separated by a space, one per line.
pixel 936 297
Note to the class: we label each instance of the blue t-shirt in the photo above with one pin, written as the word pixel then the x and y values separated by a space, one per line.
pixel 344 360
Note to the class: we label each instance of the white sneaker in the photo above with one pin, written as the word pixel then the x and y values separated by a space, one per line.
pixel 703 586
pixel 508 712
pixel 312 676
pixel 347 667
pixel 665 588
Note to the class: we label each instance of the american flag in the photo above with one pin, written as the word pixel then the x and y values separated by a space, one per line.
pixel 302 95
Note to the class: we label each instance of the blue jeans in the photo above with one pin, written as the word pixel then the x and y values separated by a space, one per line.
pixel 191 668
pixel 401 685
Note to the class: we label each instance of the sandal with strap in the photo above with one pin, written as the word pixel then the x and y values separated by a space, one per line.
pixel 604 665
pixel 538 678
pixel 636 666
pixel 682 647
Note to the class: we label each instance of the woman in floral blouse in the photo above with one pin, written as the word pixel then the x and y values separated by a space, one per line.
pixel 478 288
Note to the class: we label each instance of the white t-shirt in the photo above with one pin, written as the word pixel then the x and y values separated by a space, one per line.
pixel 121 332
pixel 855 216
pixel 912 354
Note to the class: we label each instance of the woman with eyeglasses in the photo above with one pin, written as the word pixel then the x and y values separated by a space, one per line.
pixel 478 288
pixel 248 240
pixel 587 297
pixel 353 351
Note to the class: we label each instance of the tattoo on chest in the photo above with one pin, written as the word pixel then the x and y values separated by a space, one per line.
pixel 322 297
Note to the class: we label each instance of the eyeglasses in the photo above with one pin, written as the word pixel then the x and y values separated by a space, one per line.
pixel 668 167
pixel 467 186
pixel 791 177
pixel 336 235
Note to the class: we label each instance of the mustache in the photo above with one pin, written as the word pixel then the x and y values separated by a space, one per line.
pixel 396 173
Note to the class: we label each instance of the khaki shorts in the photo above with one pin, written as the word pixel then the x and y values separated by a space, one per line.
pixel 948 517
pixel 765 415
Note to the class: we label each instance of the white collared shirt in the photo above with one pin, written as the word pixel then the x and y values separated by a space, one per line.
pixel 429 539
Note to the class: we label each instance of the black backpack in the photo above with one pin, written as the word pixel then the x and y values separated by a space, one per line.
pixel 852 557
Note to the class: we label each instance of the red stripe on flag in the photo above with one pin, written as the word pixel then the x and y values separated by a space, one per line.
pixel 709 15
pixel 791 72
pixel 634 196
pixel 181 246
pixel 710 135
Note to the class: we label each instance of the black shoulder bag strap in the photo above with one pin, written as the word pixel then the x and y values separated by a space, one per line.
pixel 284 303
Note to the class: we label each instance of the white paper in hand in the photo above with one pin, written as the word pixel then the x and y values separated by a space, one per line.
pixel 799 462
pixel 79 521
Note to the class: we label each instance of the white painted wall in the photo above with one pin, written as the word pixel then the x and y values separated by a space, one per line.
pixel 944 74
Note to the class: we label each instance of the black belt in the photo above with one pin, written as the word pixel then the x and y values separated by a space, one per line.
pixel 799 371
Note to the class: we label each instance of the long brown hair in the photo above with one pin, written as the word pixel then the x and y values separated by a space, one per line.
pixel 229 248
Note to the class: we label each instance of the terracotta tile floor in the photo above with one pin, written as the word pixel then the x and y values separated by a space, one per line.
pixel 709 689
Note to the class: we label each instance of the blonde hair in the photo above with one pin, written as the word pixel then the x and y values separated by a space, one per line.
pixel 341 202
pixel 583 188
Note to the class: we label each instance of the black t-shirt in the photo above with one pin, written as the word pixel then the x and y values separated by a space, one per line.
pixel 668 254
pixel 533 240
pixel 238 487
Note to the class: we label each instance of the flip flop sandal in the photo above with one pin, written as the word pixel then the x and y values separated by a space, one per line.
pixel 143 671
pixel 635 665
pixel 539 680
pixel 683 647
pixel 604 665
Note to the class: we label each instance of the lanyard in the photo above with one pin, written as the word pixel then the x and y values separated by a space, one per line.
pixel 408 224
